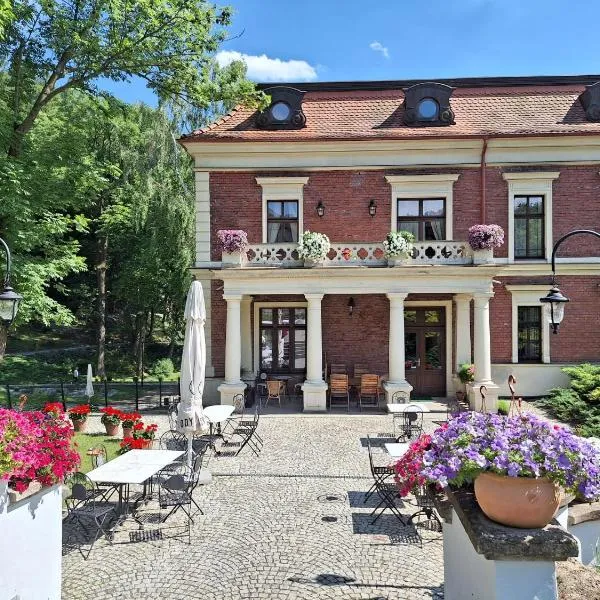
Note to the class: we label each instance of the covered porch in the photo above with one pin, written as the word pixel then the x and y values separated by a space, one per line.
pixel 411 328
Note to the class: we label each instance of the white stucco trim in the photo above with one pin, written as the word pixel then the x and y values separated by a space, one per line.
pixel 447 304
pixel 282 188
pixel 528 295
pixel 439 185
pixel 256 337
pixel 202 213
pixel 530 183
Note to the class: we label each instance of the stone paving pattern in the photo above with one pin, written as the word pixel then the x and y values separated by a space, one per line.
pixel 291 524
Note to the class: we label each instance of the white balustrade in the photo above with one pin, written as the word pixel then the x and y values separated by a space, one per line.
pixel 360 254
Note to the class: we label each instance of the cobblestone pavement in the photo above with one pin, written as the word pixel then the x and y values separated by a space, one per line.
pixel 291 524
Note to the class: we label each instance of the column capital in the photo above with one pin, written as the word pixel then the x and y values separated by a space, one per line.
pixel 462 297
pixel 232 297
pixel 482 298
pixel 313 297
pixel 396 297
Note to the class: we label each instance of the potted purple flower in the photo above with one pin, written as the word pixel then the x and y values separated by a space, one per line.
pixel 233 244
pixel 520 466
pixel 483 239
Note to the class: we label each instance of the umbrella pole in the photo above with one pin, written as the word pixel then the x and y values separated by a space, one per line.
pixel 189 450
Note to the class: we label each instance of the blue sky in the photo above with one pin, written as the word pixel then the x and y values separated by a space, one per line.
pixel 334 40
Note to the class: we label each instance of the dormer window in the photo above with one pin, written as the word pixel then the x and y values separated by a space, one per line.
pixel 285 111
pixel 428 104
pixel 590 100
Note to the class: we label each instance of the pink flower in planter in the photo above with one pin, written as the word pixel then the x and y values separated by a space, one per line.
pixel 232 240
pixel 486 237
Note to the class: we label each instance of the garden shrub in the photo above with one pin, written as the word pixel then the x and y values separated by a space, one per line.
pixel 578 405
pixel 163 368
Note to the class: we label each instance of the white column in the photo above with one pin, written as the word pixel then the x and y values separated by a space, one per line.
pixel 463 329
pixel 314 388
pixel 233 351
pixel 247 367
pixel 396 354
pixel 482 357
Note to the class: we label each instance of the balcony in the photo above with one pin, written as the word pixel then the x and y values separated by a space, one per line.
pixel 285 255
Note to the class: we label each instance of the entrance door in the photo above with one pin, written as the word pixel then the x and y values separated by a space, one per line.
pixel 425 348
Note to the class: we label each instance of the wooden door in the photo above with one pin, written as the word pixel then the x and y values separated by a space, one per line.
pixel 425 350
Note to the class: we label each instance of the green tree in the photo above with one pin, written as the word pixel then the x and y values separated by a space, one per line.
pixel 64 44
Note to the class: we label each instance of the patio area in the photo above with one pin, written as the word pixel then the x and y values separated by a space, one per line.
pixel 291 523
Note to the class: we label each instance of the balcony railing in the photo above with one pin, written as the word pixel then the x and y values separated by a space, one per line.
pixel 360 254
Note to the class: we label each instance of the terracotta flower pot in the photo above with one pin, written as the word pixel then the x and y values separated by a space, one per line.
pixel 127 431
pixel 79 424
pixel 147 445
pixel 517 501
pixel 111 429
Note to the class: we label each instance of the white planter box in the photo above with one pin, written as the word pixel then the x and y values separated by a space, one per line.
pixel 31 545
pixel 398 261
pixel 483 257
pixel 231 260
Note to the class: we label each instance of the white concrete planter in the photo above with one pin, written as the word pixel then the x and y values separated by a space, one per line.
pixel 483 257
pixel 31 542
pixel 310 263
pixel 398 261
pixel 233 260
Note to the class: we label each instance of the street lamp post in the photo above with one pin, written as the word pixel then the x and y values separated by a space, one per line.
pixel 555 299
pixel 9 299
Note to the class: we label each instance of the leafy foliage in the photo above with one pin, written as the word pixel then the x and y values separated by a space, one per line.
pixel 163 368
pixel 578 405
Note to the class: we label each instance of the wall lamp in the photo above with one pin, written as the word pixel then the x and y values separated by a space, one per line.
pixel 320 208
pixel 555 300
pixel 372 208
pixel 351 305
pixel 9 299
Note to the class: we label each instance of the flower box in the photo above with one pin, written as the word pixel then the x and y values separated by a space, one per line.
pixel 233 243
pixel 397 248
pixel 483 239
pixel 232 260
pixel 313 248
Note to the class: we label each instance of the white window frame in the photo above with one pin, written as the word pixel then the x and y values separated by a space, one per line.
pixel 282 188
pixel 528 295
pixel 257 307
pixel 418 187
pixel 530 184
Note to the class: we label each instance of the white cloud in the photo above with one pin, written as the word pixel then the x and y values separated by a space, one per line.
pixel 379 47
pixel 263 68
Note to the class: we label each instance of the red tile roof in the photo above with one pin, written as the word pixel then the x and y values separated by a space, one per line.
pixel 526 110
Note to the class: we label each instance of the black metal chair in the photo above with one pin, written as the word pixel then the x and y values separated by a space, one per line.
pixel 88 509
pixel 175 487
pixel 99 457
pixel 387 490
pixel 427 510
pixel 246 434
pixel 239 405
pixel 173 440
pixel 399 397
pixel 412 426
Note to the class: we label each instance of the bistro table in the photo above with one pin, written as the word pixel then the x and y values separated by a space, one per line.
pixel 217 414
pixel 396 450
pixel 402 408
pixel 135 467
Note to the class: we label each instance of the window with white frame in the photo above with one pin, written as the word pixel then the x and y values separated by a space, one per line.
pixel 422 204
pixel 530 327
pixel 282 208
pixel 530 215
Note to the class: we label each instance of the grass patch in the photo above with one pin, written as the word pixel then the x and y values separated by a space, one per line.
pixel 503 407
pixel 85 441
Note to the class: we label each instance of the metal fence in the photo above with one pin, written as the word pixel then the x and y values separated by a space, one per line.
pixel 132 395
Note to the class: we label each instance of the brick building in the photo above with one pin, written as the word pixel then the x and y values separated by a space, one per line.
pixel 357 160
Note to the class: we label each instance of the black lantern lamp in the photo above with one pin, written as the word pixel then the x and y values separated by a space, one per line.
pixel 372 208
pixel 555 299
pixel 350 305
pixel 320 208
pixel 9 299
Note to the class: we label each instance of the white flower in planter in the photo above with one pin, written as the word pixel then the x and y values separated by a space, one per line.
pixel 398 244
pixel 313 246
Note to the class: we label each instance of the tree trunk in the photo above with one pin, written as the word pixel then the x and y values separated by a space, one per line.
pixel 140 335
pixel 3 339
pixel 151 328
pixel 101 258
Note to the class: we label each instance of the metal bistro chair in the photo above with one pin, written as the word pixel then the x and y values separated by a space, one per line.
pixel 387 490
pixel 426 510
pixel 412 426
pixel 201 476
pixel 398 397
pixel 338 388
pixel 176 483
pixel 245 434
pixel 90 511
pixel 239 405
pixel 369 390
pixel 173 440
pixel 99 457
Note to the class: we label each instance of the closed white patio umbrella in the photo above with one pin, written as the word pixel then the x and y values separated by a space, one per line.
pixel 89 386
pixel 190 417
